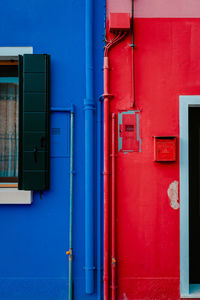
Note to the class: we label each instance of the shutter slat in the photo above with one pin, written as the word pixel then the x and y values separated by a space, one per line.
pixel 35 102
pixel 34 121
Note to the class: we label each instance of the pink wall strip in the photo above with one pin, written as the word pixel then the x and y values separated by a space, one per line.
pixel 157 8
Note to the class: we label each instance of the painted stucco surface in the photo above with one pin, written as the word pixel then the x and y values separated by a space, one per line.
pixel 35 238
pixel 157 8
pixel 166 65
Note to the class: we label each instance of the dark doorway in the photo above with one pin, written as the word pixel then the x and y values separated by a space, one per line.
pixel 194 194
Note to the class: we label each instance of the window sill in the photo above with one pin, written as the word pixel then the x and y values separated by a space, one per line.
pixel 11 195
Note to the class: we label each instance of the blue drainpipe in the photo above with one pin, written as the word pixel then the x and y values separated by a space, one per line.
pixel 89 106
pixel 99 199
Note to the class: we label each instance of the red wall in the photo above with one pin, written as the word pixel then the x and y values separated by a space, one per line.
pixel 167 64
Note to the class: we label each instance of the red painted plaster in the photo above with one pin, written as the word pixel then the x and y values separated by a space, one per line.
pixel 167 64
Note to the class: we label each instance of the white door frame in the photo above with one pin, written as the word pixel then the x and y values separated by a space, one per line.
pixel 187 290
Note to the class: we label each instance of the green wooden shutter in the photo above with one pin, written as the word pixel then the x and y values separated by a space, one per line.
pixel 34 121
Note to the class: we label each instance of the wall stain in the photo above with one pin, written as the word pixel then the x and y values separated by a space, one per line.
pixel 172 193
pixel 124 296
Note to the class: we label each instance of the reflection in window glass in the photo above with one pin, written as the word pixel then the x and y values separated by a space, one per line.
pixel 8 128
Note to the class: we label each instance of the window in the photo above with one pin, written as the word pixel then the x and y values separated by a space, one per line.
pixel 24 120
pixel 9 123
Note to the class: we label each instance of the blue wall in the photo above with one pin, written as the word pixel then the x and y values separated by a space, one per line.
pixel 34 239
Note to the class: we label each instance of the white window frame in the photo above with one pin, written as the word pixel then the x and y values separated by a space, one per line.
pixel 187 290
pixel 12 195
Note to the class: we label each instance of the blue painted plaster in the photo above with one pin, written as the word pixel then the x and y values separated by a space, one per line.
pixel 34 239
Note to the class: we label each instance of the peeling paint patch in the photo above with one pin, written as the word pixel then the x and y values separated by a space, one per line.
pixel 172 193
pixel 124 296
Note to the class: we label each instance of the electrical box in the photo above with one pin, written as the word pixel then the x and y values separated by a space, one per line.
pixel 164 148
pixel 128 136
pixel 119 22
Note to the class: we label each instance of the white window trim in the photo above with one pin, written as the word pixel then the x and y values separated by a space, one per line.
pixel 7 53
pixel 186 290
pixel 13 195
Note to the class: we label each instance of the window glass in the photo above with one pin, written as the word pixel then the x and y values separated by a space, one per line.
pixel 8 129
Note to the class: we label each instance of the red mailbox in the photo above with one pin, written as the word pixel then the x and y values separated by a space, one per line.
pixel 164 148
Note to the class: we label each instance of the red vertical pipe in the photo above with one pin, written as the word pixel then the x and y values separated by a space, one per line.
pixel 106 178
pixel 113 249
pixel 132 59
pixel 107 96
pixel 133 79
